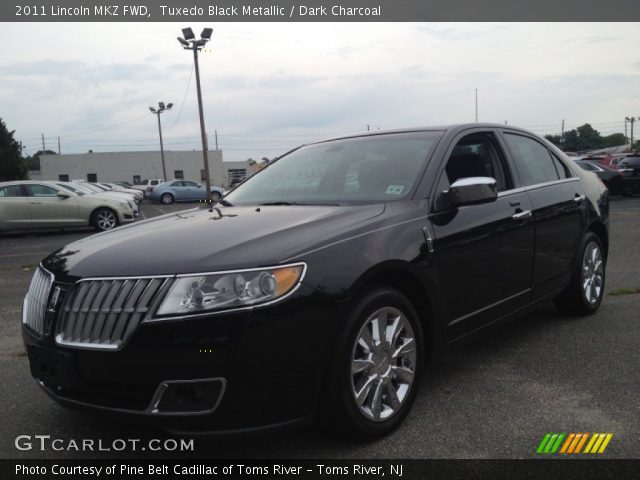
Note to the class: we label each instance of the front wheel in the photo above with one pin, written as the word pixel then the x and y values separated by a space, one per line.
pixel 584 294
pixel 166 198
pixel 216 196
pixel 376 372
pixel 104 219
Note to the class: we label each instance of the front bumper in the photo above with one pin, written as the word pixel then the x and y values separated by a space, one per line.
pixel 267 364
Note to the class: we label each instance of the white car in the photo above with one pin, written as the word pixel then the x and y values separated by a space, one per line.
pixel 90 189
pixel 119 188
pixel 28 204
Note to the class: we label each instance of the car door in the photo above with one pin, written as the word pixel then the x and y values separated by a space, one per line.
pixel 179 190
pixel 193 192
pixel 484 252
pixel 559 209
pixel 14 207
pixel 47 209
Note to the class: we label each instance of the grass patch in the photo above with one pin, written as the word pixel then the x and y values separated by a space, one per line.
pixel 625 291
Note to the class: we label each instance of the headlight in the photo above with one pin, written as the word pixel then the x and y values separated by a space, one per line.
pixel 203 293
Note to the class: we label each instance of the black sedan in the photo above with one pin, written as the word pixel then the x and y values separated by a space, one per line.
pixel 320 286
pixel 611 177
pixel 630 170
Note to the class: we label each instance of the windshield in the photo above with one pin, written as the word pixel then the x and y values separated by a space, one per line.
pixel 376 168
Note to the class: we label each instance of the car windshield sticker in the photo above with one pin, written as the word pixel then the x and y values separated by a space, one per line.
pixel 395 189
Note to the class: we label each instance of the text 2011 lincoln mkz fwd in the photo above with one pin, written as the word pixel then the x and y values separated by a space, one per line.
pixel 319 286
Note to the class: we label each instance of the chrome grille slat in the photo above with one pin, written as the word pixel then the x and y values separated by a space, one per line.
pixel 35 302
pixel 104 313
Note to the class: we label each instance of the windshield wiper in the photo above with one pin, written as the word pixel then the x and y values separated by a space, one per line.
pixel 281 203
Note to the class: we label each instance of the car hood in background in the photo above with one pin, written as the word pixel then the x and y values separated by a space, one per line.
pixel 204 240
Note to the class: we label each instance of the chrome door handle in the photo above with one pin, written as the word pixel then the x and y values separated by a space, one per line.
pixel 579 198
pixel 522 215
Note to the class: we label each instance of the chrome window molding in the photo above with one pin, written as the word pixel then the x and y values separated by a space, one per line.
pixel 537 185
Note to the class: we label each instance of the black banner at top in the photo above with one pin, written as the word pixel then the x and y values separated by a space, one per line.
pixel 317 10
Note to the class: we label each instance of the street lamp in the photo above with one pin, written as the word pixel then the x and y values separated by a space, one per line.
pixel 189 42
pixel 161 108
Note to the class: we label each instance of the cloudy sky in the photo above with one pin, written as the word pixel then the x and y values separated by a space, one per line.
pixel 270 86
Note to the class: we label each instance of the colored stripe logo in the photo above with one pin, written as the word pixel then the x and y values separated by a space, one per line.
pixel 572 443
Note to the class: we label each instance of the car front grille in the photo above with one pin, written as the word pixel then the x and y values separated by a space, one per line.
pixel 104 313
pixel 35 302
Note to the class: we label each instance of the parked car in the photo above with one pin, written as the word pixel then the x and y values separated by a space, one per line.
pixel 611 177
pixel 630 170
pixel 611 160
pixel 183 191
pixel 319 298
pixel 90 189
pixel 137 194
pixel 124 184
pixel 146 186
pixel 33 204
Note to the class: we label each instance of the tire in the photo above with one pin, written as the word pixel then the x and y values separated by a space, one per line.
pixel 104 219
pixel 167 198
pixel 216 196
pixel 388 381
pixel 586 289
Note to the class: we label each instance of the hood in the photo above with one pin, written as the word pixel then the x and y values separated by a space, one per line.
pixel 203 240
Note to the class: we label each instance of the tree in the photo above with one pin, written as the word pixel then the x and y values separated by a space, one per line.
pixel 614 140
pixel 251 161
pixel 12 166
pixel 588 138
pixel 555 139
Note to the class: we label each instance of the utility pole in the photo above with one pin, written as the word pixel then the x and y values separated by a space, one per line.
pixel 626 137
pixel 161 108
pixel 58 145
pixel 189 42
pixel 216 133
pixel 476 105
pixel 632 120
pixel 367 127
pixel 562 133
pixel 43 149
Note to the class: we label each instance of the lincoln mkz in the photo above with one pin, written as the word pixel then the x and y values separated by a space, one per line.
pixel 320 286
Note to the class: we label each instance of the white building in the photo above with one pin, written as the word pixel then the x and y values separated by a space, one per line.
pixel 133 167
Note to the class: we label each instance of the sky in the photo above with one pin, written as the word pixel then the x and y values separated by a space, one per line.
pixel 269 87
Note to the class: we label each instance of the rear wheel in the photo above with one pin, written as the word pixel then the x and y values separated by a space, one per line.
pixel 166 198
pixel 216 196
pixel 104 219
pixel 584 294
pixel 376 373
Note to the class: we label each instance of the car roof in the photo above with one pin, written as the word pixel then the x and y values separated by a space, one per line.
pixel 438 128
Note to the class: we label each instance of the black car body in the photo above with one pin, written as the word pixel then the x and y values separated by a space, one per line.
pixel 487 222
pixel 612 178
pixel 630 170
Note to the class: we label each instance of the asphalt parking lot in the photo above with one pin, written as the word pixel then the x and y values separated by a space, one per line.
pixel 495 397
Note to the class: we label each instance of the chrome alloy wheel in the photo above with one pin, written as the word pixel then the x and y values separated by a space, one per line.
pixel 106 220
pixel 383 364
pixel 592 273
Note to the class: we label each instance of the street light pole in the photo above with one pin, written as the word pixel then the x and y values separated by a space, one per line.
pixel 189 42
pixel 161 108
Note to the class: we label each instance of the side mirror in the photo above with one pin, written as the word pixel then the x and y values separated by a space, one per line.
pixel 472 191
pixel 63 195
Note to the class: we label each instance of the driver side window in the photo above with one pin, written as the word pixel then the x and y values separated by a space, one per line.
pixel 475 155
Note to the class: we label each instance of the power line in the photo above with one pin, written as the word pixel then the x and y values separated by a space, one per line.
pixel 184 98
